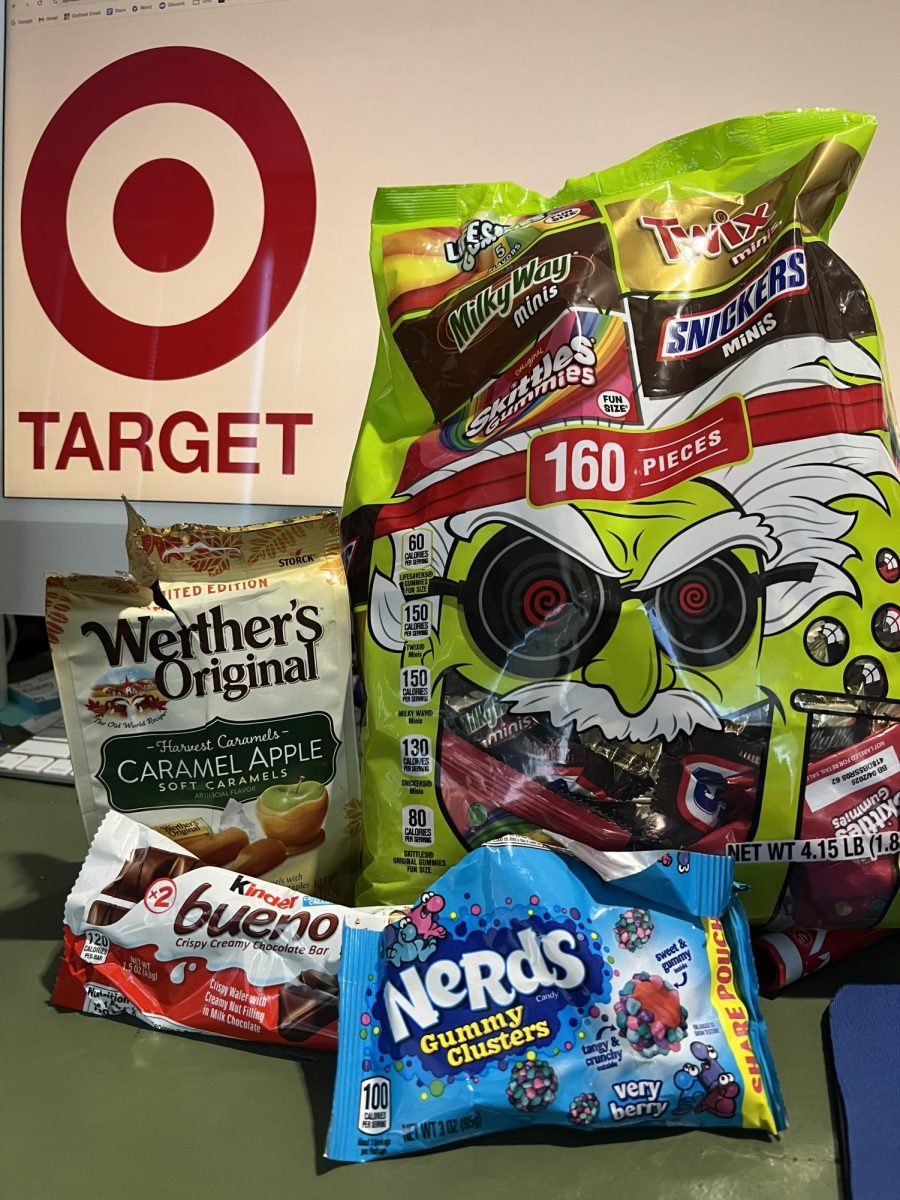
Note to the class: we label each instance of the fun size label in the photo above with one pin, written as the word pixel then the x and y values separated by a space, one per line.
pixel 614 405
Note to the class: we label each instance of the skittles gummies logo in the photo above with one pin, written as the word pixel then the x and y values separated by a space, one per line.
pixel 474 987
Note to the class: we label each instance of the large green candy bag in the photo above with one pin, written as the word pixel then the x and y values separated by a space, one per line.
pixel 621 523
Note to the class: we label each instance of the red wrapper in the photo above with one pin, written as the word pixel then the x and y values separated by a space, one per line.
pixel 153 933
pixel 783 958
pixel 851 792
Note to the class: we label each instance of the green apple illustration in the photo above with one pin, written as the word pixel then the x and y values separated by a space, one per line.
pixel 283 796
pixel 293 812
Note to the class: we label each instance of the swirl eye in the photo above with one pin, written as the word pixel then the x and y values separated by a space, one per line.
pixel 707 615
pixel 533 610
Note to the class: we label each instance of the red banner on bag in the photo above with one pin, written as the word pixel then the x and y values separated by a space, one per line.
pixel 587 463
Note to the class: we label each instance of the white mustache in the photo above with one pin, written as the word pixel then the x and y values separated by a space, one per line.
pixel 669 713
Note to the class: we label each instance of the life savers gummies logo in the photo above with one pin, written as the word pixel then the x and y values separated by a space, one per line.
pixel 476 989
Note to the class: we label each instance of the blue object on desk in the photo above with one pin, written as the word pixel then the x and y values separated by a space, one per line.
pixel 38 695
pixel 863 1021
pixel 14 714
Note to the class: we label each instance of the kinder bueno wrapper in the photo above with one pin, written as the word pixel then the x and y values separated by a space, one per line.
pixel 783 958
pixel 533 988
pixel 154 933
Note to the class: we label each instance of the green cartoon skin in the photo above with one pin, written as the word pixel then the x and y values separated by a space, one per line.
pixel 785 659
pixel 631 663
pixel 648 669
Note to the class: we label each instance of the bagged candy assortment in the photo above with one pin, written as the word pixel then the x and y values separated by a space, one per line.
pixel 622 523
pixel 621 539
pixel 505 999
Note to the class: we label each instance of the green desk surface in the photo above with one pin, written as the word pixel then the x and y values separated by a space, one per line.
pixel 95 1110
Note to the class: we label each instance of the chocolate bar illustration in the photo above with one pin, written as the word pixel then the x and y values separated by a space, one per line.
pixel 130 885
pixel 306 1005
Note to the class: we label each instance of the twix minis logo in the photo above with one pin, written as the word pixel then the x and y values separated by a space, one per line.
pixel 738 235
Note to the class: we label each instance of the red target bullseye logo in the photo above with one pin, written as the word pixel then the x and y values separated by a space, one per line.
pixel 164 212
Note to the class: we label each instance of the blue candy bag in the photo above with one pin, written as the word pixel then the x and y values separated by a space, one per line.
pixel 534 988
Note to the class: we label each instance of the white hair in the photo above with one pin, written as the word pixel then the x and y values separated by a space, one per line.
pixel 669 713
pixel 793 486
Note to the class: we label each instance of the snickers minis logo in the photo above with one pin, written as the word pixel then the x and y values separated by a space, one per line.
pixel 637 498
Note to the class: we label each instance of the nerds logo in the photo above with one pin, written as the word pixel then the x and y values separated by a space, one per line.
pixel 489 993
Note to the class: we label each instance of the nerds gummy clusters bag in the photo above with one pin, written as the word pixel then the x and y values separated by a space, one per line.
pixel 621 525
pixel 504 1000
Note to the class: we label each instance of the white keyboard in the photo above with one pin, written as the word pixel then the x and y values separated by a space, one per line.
pixel 45 757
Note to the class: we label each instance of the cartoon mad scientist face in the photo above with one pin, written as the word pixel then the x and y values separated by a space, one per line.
pixel 646 619
pixel 651 612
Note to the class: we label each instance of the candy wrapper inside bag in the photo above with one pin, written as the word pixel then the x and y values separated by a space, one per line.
pixel 154 933
pixel 526 989
pixel 783 958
